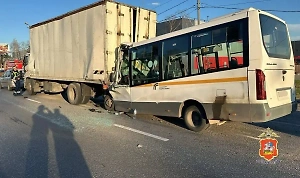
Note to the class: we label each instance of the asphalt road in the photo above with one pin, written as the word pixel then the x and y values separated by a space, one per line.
pixel 43 136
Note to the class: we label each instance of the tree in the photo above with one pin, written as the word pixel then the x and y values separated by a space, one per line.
pixel 173 23
pixel 24 46
pixel 176 22
pixel 19 49
pixel 15 49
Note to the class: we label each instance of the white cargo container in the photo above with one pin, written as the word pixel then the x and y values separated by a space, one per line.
pixel 76 52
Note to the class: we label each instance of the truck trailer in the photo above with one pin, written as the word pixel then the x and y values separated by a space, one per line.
pixel 76 52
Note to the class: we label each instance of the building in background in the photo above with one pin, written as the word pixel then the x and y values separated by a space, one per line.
pixel 4 48
pixel 174 25
pixel 4 51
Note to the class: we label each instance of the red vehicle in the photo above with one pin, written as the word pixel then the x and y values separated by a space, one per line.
pixel 297 60
pixel 12 63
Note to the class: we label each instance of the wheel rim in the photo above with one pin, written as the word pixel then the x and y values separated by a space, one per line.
pixel 29 87
pixel 195 119
pixel 109 102
pixel 72 94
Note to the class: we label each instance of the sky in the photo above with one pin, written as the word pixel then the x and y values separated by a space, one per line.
pixel 14 13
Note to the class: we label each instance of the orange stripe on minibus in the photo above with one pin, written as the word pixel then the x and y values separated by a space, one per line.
pixel 190 82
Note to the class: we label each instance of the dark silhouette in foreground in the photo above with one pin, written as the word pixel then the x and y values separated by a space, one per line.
pixel 69 158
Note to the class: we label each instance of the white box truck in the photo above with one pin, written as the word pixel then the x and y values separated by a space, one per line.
pixel 75 53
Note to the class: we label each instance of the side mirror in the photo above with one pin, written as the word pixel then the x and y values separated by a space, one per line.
pixel 112 77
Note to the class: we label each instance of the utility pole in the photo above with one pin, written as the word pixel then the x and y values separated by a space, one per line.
pixel 198 11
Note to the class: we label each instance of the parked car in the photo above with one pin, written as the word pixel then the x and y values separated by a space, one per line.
pixel 6 81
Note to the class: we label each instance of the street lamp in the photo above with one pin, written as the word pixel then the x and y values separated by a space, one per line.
pixel 28 26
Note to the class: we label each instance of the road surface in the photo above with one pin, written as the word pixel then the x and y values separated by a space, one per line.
pixel 43 136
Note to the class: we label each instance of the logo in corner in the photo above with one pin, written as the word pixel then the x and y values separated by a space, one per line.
pixel 268 145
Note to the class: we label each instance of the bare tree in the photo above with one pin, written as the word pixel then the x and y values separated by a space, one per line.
pixel 176 22
pixel 24 46
pixel 19 49
pixel 15 48
pixel 173 23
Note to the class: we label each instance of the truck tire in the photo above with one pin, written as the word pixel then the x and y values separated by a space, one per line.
pixel 109 103
pixel 74 94
pixel 9 88
pixel 85 99
pixel 86 93
pixel 30 86
pixel 195 119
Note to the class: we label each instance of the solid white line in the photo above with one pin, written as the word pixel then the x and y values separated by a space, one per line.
pixel 33 112
pixel 141 132
pixel 33 100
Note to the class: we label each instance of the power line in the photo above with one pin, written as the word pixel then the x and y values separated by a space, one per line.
pixel 162 4
pixel 271 10
pixel 173 7
pixel 177 13
pixel 249 2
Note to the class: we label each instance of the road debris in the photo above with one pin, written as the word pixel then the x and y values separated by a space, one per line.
pixel 118 113
pixel 95 110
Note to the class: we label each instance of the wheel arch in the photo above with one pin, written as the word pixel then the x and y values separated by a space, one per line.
pixel 191 102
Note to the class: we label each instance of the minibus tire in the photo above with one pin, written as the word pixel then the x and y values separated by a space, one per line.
pixel 109 106
pixel 193 114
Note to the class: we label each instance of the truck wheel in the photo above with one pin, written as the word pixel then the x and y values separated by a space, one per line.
pixel 85 99
pixel 195 119
pixel 9 88
pixel 74 94
pixel 30 83
pixel 109 103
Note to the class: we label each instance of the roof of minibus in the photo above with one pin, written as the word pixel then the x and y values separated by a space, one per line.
pixel 212 22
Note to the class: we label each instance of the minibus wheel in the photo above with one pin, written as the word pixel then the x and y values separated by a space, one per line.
pixel 109 103
pixel 195 119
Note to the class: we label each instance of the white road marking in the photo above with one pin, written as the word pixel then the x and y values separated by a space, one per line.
pixel 33 112
pixel 141 132
pixel 33 100
pixel 255 138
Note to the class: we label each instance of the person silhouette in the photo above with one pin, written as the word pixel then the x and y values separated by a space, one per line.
pixel 70 160
pixel 37 154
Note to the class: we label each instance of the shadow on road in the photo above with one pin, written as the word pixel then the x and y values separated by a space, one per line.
pixel 288 124
pixel 98 102
pixel 174 121
pixel 69 158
